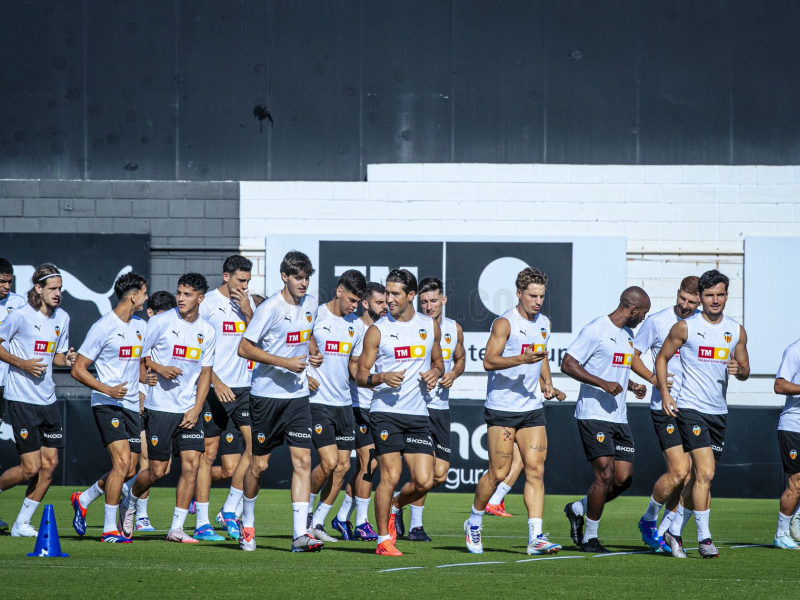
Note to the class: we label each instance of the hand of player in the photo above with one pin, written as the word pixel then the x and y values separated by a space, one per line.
pixel 151 378
pixel 639 390
pixel 170 372
pixel 560 396
pixel 668 406
pixel 670 381
pixel 611 387
pixel 394 379
pixel 529 357
pixel 190 418
pixel 33 366
pixel 316 359
pixel 242 299
pixel 118 392
pixel 297 364
pixel 224 393
pixel 447 380
pixel 547 391
pixel 733 367
pixel 71 357
pixel 313 384
pixel 430 378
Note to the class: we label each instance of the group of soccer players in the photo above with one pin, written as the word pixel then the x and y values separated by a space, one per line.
pixel 214 373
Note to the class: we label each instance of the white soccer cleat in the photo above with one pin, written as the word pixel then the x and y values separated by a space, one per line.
pixel 320 534
pixel 126 518
pixel 23 530
pixel 794 527
pixel 785 542
pixel 473 537
pixel 180 536
pixel 541 545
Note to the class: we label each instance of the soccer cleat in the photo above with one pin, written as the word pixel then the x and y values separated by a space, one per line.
pixel 220 520
pixel 115 537
pixel 785 542
pixel 794 527
pixel 306 543
pixel 593 545
pixel 575 524
pixel 79 520
pixel 649 530
pixel 179 535
pixel 3 525
pixel 23 530
pixel 708 549
pixel 126 517
pixel 365 533
pixel 231 525
pixel 399 524
pixel 247 541
pixel 393 527
pixel 322 535
pixel 417 534
pixel 498 510
pixel 143 524
pixel 386 548
pixel 345 528
pixel 206 533
pixel 541 545
pixel 192 507
pixel 675 544
pixel 472 534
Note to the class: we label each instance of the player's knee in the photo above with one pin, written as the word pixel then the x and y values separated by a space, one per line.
pixel 535 472
pixel 30 469
pixel 623 483
pixel 158 469
pixel 605 476
pixel 343 466
pixel 498 474
pixel 704 475
pixel 439 479
pixel 302 464
pixel 259 464
pixel 328 464
pixel 424 484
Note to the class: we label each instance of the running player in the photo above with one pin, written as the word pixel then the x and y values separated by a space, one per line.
pixel 337 331
pixel 787 383
pixel 227 409
pixel 277 340
pixel 37 338
pixel 600 358
pixel 404 348
pixel 179 348
pixel 649 339
pixel 712 348
pixel 114 344
pixel 516 357
pixel 432 301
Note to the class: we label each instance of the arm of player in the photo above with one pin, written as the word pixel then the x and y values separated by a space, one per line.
pixel 81 374
pixel 786 388
pixel 459 361
pixel 203 382
pixel 223 392
pixel 352 366
pixel 162 371
pixel 315 357
pixel 546 381
pixel 369 354
pixel 739 365
pixel 32 366
pixel 493 359
pixel 432 376
pixel 248 350
pixel 676 338
pixel 570 366
pixel 65 359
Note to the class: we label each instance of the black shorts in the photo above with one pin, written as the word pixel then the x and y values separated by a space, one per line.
pixel 603 438
pixel 363 427
pixel 666 430
pixel 514 420
pixel 702 431
pixel 2 402
pixel 165 438
pixel 789 441
pixel 274 420
pixel 232 441
pixel 35 426
pixel 406 434
pixel 116 424
pixel 332 425
pixel 216 415
pixel 439 424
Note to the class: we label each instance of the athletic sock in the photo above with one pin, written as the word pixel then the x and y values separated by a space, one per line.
pixel 178 518
pixel 201 511
pixel 90 495
pixel 395 510
pixel 26 512
pixel 248 511
pixel 676 527
pixel 383 538
pixel 475 518
pixel 651 514
pixel 320 514
pixel 579 507
pixel 499 493
pixel 311 498
pixel 591 529
pixel 232 502
pixel 240 507
pixel 666 520
pixel 783 524
pixel 416 516
pixel 534 529
pixel 299 519
pixel 362 510
pixel 128 485
pixel 701 518
pixel 687 516
pixel 345 509
pixel 110 519
pixel 141 508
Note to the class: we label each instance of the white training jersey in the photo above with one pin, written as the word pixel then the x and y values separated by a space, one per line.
pixel 440 397
pixel 115 347
pixel 650 337
pixel 404 345
pixel 8 304
pixel 29 334
pixel 337 338
pixel 790 371
pixel 605 351
pixel 284 330
pixel 229 324
pixel 173 342
pixel 361 397
pixel 517 389
pixel 704 360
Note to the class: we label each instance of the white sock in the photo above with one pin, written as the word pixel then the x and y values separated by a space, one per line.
pixel 346 509
pixel 240 507
pixel 783 524
pixel 579 507
pixel 383 538
pixel 201 512
pixel 651 514
pixel 797 509
pixel 90 495
pixel 666 520
pixel 362 510
pixel 110 519
pixel 299 519
pixel 534 529
pixel 320 514
pixel 232 502
pixel 26 512
pixel 499 493
pixel 311 498
pixel 395 510
pixel 591 529
pixel 141 508
pixel 248 511
pixel 475 518
pixel 178 518
pixel 701 518
pixel 416 516
pixel 128 486
pixel 676 527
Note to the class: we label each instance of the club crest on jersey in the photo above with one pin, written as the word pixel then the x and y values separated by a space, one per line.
pixel 23 433
pixel 600 436
pixel 728 337
pixel 423 334
pixel 630 342
pixel 670 428
pixel 207 417
pixel 351 331
pixel 447 338
pixel 58 330
pixel 154 440
pixel 363 429
pixel 308 316
pixel 200 338
pixel 139 335
pixel 261 437
pixel 318 429
pixel 384 435
pixel 229 438
pixel 543 331
pixel 696 430
pixel 115 423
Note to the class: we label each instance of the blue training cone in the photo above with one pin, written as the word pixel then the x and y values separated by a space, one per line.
pixel 47 542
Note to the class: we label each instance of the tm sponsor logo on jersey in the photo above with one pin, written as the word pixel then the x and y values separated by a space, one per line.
pixel 409 352
pixel 710 354
pixel 130 352
pixel 233 327
pixel 622 361
pixel 186 353
pixel 40 347
pixel 298 337
pixel 536 348
pixel 333 347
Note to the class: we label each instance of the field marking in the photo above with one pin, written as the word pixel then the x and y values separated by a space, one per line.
pixel 524 560
pixel 494 562
pixel 399 569
pixel 752 546
pixel 623 553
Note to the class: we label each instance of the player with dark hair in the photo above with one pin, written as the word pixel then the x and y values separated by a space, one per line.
pixel 787 383
pixel 37 338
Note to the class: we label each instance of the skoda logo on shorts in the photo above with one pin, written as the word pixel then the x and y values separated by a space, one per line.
pixel 207 417
pixel 115 423
pixel 384 435
pixel 696 430
pixel 261 437
pixel 363 429
pixel 229 438
pixel 792 454
pixel 600 436
pixel 318 428
pixel 670 428
pixel 23 433
pixel 154 440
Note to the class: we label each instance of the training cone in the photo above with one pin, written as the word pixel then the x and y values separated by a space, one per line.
pixel 47 542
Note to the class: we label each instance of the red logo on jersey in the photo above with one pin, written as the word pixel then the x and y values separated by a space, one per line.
pixel 233 327
pixel 298 337
pixel 130 352
pixel 409 352
pixel 186 353
pixel 622 360
pixel 533 347
pixel 708 353
pixel 41 347
pixel 335 347
pixel 250 365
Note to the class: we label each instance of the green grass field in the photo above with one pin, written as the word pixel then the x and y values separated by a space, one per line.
pixel 151 568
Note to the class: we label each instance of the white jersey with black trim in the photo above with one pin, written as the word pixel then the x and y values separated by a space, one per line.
pixel 605 351
pixel 173 342
pixel 284 330
pixel 29 334
pixel 337 339
pixel 704 360
pixel 229 323
pixel 790 371
pixel 440 397
pixel 404 345
pixel 115 348
pixel 8 304
pixel 517 389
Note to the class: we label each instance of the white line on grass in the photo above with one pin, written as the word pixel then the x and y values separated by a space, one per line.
pixel 495 562
pixel 548 558
pixel 399 569
pixel 623 553
pixel 752 546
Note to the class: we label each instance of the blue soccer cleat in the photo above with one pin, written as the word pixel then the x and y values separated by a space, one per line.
pixel 650 536
pixel 231 525
pixel 345 528
pixel 206 533
pixel 365 533
pixel 79 520
pixel 220 520
pixel 192 507
pixel 115 537
pixel 3 525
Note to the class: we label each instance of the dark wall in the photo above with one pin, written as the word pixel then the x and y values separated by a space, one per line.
pixel 105 89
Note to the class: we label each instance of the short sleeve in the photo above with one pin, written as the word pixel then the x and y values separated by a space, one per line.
pixel 207 359
pixel 260 324
pixel 154 327
pixel 94 342
pixel 789 364
pixel 645 337
pixel 62 345
pixel 10 326
pixel 585 344
pixel 205 309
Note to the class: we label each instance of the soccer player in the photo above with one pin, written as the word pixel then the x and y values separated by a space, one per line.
pixel 712 348
pixel 227 409
pixel 600 358
pixel 337 331
pixel 649 339
pixel 516 357
pixel 37 338
pixel 787 383
pixel 114 344
pixel 432 301
pixel 404 348
pixel 277 340
pixel 179 348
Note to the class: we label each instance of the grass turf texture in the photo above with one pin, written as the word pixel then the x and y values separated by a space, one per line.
pixel 152 568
